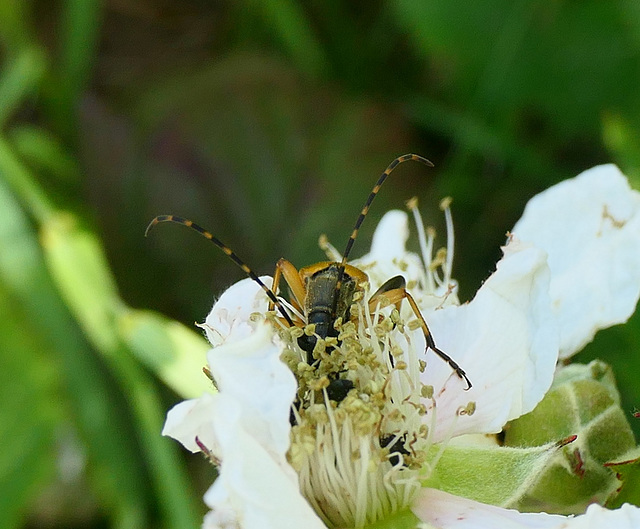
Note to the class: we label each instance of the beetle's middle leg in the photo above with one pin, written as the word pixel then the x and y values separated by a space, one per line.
pixel 394 290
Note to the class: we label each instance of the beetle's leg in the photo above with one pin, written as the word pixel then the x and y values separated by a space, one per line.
pixel 391 285
pixel 291 276
pixel 395 291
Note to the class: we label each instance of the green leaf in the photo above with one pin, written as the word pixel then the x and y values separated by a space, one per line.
pixel 15 24
pixel 78 37
pixel 80 270
pixel 175 353
pixel 41 150
pixel 78 265
pixel 115 465
pixel 21 76
pixel 32 407
pixel 290 25
pixel 23 184
pixel 620 135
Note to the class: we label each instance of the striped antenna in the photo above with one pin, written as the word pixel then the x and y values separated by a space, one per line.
pixel 365 210
pixel 228 251
pixel 372 195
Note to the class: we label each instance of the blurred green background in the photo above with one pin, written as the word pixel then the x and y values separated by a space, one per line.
pixel 267 122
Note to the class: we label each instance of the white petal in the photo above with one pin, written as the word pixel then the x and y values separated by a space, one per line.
pixel 391 235
pixel 590 227
pixel 388 257
pixel 229 317
pixel 255 489
pixel 250 371
pixel 247 423
pixel 506 341
pixel 596 517
pixel 190 419
pixel 446 511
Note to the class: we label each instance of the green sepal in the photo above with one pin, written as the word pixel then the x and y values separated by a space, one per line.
pixel 489 473
pixel 398 520
pixel 582 401
pixel 628 473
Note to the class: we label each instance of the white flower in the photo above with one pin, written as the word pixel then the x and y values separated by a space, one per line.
pixel 505 338
pixel 246 427
pixel 363 456
pixel 589 226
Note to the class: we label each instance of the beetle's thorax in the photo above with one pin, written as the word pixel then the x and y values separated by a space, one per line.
pixel 322 307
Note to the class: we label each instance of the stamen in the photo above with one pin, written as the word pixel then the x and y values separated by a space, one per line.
pixel 363 455
pixel 426 245
pixel 329 249
pixel 445 205
pixel 439 263
pixel 291 308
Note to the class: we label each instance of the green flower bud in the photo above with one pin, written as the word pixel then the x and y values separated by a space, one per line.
pixel 582 401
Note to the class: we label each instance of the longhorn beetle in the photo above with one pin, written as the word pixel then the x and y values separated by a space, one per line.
pixel 325 291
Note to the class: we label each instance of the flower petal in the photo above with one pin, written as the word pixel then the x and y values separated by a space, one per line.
pixel 229 317
pixel 265 400
pixel 388 257
pixel 446 511
pixel 256 489
pixel 191 419
pixel 246 425
pixel 391 236
pixel 250 371
pixel 589 225
pixel 505 339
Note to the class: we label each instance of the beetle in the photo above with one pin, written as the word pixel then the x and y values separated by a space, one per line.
pixel 324 292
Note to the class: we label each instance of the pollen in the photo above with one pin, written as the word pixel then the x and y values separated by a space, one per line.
pixel 358 437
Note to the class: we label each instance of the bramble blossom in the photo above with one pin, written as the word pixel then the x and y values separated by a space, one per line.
pixel 294 452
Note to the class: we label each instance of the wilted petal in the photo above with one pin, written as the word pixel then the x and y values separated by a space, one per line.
pixel 590 227
pixel 446 511
pixel 229 317
pixel 506 341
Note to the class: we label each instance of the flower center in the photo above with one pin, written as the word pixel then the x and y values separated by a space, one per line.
pixel 358 439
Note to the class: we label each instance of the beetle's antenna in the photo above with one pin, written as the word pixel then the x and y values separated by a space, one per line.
pixel 365 210
pixel 372 195
pixel 228 251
